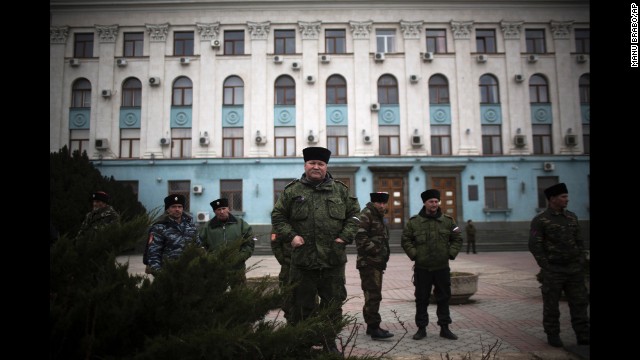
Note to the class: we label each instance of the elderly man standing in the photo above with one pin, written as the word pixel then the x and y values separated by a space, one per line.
pixel 102 214
pixel 318 216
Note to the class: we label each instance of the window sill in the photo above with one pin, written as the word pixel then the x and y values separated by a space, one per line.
pixel 492 211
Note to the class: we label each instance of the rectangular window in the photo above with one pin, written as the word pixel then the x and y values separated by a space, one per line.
pixel 583 41
pixel 132 184
pixel 437 41
pixel 385 40
pixel 491 140
pixel 183 43
pixel 335 42
pixel 543 183
pixel 535 41
pixel 278 187
pixel 285 141
pixel 181 143
pixel 541 134
pixel 486 41
pixel 83 45
pixel 440 140
pixel 338 140
pixel 495 193
pixel 232 191
pixel 234 42
pixel 586 140
pixel 181 187
pixel 129 143
pixel 78 140
pixel 133 44
pixel 233 142
pixel 389 140
pixel 285 41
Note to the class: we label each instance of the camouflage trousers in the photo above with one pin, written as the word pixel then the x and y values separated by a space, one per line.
pixel 553 283
pixel 371 283
pixel 328 284
pixel 283 278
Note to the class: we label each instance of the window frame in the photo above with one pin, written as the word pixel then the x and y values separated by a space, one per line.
pixel 486 41
pixel 83 48
pixel 183 46
pixel 436 42
pixel 535 40
pixel 284 41
pixel 495 188
pixel 130 46
pixel 335 44
pixel 233 46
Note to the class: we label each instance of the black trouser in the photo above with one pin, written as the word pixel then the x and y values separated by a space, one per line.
pixel 553 284
pixel 423 280
pixel 471 242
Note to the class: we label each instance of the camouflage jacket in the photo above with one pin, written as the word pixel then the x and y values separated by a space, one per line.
pixel 281 249
pixel 168 238
pixel 555 241
pixel 372 239
pixel 320 214
pixel 216 234
pixel 431 241
pixel 98 219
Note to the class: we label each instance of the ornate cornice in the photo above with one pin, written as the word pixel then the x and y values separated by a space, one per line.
pixel 58 34
pixel 107 33
pixel 309 30
pixel 361 29
pixel 158 32
pixel 561 29
pixel 461 29
pixel 511 29
pixel 208 31
pixel 411 29
pixel 259 31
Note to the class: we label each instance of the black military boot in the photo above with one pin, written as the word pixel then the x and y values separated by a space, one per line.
pixel 554 340
pixel 377 334
pixel 446 333
pixel 421 334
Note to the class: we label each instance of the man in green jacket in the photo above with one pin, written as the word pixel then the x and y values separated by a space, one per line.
pixel 318 216
pixel 224 229
pixel 431 239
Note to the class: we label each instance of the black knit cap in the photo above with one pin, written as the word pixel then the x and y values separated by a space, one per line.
pixel 174 199
pixel 430 194
pixel 316 153
pixel 381 197
pixel 556 189
pixel 216 204
pixel 100 196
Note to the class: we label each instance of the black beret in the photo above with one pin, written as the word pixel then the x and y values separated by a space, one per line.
pixel 382 197
pixel 100 196
pixel 556 189
pixel 223 202
pixel 430 194
pixel 174 199
pixel 316 153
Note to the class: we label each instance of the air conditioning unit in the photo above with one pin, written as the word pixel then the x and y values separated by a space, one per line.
pixel 102 144
pixel 367 139
pixel 482 58
pixel 121 62
pixel 582 58
pixel 74 62
pixel 325 59
pixel 202 216
pixel 311 79
pixel 379 56
pixel 215 43
pixel 312 139
pixel 519 140
pixel 261 140
pixel 519 78
pixel 532 58
pixel 197 189
pixel 375 107
pixel 548 166
pixel 184 61
pixel 414 78
pixel 106 93
pixel 296 65
pixel 571 140
pixel 154 81
pixel 204 140
pixel 277 59
pixel 165 141
pixel 416 140
pixel 428 56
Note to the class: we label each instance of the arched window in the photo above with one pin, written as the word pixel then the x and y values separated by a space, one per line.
pixel 81 94
pixel 538 89
pixel 438 90
pixel 233 91
pixel 387 90
pixel 584 85
pixel 285 91
pixel 336 90
pixel 285 136
pixel 132 93
pixel 130 136
pixel 489 92
pixel 182 92
pixel 337 135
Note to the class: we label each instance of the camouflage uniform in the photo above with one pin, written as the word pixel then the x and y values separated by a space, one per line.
pixel 372 241
pixel 556 244
pixel 431 241
pixel 282 251
pixel 168 239
pixel 98 219
pixel 320 214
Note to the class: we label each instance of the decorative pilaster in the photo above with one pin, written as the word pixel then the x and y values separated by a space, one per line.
pixel 107 33
pixel 58 34
pixel 411 29
pixel 361 29
pixel 511 30
pixel 461 29
pixel 157 32
pixel 259 31
pixel 561 29
pixel 309 30
pixel 208 32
